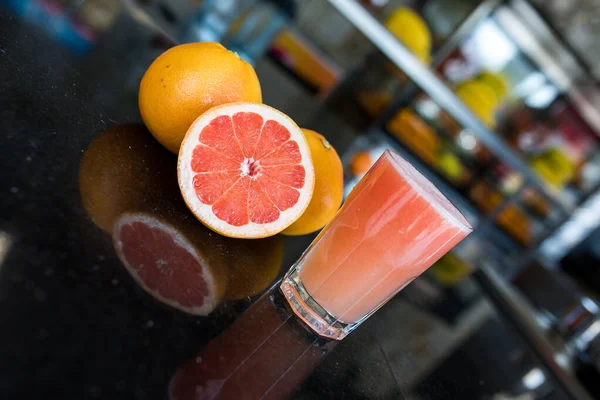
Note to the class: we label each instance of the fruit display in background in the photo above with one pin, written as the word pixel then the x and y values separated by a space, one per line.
pixel 186 81
pixel 360 163
pixel 449 165
pixel 245 170
pixel 497 82
pixel 512 220
pixel 416 134
pixel 122 169
pixel 329 186
pixel 374 101
pixel 381 78
pixel 554 167
pixel 450 270
pixel 480 98
pixel 536 203
pixel 409 28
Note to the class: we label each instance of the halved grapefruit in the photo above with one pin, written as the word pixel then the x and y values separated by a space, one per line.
pixel 176 262
pixel 245 170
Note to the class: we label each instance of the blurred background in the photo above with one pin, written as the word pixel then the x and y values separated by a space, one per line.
pixel 496 102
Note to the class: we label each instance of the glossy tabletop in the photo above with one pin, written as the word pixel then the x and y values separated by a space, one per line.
pixel 75 324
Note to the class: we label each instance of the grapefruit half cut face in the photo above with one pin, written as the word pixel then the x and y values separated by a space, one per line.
pixel 245 170
pixel 166 264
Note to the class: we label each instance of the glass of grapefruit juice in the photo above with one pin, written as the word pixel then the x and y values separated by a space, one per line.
pixel 393 226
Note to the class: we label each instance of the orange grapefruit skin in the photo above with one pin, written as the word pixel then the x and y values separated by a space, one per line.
pixel 231 232
pixel 329 186
pixel 187 80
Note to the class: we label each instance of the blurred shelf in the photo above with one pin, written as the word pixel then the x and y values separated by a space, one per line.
pixel 443 96
pixel 462 198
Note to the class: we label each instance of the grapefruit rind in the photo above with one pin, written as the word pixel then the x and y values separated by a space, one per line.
pixel 215 291
pixel 204 212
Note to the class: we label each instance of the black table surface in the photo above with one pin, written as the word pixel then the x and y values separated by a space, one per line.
pixel 74 322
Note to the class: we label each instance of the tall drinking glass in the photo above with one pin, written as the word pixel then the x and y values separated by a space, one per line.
pixel 394 225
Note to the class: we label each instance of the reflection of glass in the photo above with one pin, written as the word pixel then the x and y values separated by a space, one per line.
pixel 394 225
pixel 128 187
pixel 265 354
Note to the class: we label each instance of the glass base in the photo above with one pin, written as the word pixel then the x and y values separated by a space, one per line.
pixel 309 311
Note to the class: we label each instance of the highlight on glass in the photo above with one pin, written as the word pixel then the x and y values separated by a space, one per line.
pixel 393 226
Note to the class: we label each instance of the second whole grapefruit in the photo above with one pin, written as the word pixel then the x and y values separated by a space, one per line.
pixel 185 81
pixel 329 186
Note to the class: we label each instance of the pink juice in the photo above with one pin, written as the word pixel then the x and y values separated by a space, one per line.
pixel 394 225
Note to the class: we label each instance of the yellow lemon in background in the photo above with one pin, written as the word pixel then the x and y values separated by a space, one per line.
pixel 408 27
pixel 480 98
pixel 554 166
pixel 497 82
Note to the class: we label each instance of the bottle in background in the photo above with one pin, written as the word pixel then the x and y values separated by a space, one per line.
pixel 244 26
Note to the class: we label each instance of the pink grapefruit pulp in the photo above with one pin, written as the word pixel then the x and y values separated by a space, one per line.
pixel 245 170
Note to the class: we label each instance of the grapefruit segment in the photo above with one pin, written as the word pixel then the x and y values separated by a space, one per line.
pixel 260 206
pixel 207 159
pixel 245 170
pixel 212 185
pixel 290 175
pixel 272 136
pixel 219 136
pixel 281 195
pixel 287 153
pixel 232 206
pixel 251 124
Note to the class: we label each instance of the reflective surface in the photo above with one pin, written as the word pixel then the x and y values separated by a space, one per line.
pixel 77 323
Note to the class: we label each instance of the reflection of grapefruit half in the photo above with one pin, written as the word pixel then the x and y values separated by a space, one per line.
pixel 253 265
pixel 178 266
pixel 123 169
pixel 245 170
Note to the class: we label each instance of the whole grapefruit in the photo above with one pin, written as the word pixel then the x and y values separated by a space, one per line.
pixel 185 81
